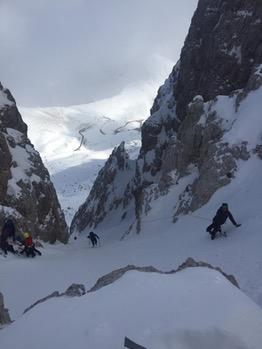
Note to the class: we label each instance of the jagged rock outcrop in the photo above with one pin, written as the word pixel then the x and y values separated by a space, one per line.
pixel 189 132
pixel 106 194
pixel 26 192
pixel 74 290
pixel 78 290
pixel 220 51
pixel 4 315
pixel 189 263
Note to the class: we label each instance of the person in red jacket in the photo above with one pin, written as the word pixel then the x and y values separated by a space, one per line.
pixel 29 246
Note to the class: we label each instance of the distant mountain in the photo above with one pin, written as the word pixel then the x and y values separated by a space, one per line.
pixel 74 142
pixel 205 120
pixel 26 192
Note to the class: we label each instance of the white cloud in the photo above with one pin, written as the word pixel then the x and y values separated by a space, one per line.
pixel 73 51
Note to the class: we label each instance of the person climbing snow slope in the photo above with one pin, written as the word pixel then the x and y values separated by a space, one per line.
pixel 93 238
pixel 29 246
pixel 220 218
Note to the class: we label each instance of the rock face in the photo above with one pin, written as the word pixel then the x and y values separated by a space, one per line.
pixel 4 315
pixel 106 194
pixel 186 133
pixel 221 49
pixel 26 192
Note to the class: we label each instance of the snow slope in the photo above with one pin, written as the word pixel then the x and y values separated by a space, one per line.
pixel 93 319
pixel 161 243
pixel 179 313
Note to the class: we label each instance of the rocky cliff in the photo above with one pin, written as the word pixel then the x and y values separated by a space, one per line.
pixel 26 192
pixel 197 128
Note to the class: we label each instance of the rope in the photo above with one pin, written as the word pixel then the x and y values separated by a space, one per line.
pixel 200 217
pixel 127 232
pixel 160 219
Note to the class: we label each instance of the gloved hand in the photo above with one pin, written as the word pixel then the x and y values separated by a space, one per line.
pixel 238 225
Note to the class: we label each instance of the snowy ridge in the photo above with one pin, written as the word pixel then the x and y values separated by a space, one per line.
pixel 126 310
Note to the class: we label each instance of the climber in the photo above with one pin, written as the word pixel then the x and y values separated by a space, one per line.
pixel 8 231
pixel 220 218
pixel 93 238
pixel 29 246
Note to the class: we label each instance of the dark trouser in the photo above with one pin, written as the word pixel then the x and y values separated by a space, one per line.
pixel 213 229
pixel 30 251
pixel 5 246
pixel 94 241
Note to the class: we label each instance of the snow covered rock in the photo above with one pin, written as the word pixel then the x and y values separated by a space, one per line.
pixel 4 315
pixel 26 192
pixel 74 290
pixel 189 263
pixel 196 308
pixel 205 119
pixel 106 193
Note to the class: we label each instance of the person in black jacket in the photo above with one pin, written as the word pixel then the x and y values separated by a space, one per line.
pixel 8 231
pixel 93 238
pixel 220 218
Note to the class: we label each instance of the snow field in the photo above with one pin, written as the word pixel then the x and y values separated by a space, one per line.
pixel 194 308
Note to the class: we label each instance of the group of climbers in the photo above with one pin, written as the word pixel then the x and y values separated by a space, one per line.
pixel 220 218
pixel 8 239
pixel 8 235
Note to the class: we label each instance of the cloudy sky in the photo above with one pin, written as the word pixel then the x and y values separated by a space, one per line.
pixel 63 52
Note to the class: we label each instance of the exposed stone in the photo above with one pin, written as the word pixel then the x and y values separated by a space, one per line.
pixel 222 47
pixel 258 151
pixel 4 314
pixel 75 290
pixel 118 273
pixel 54 294
pixel 189 263
pixel 105 195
